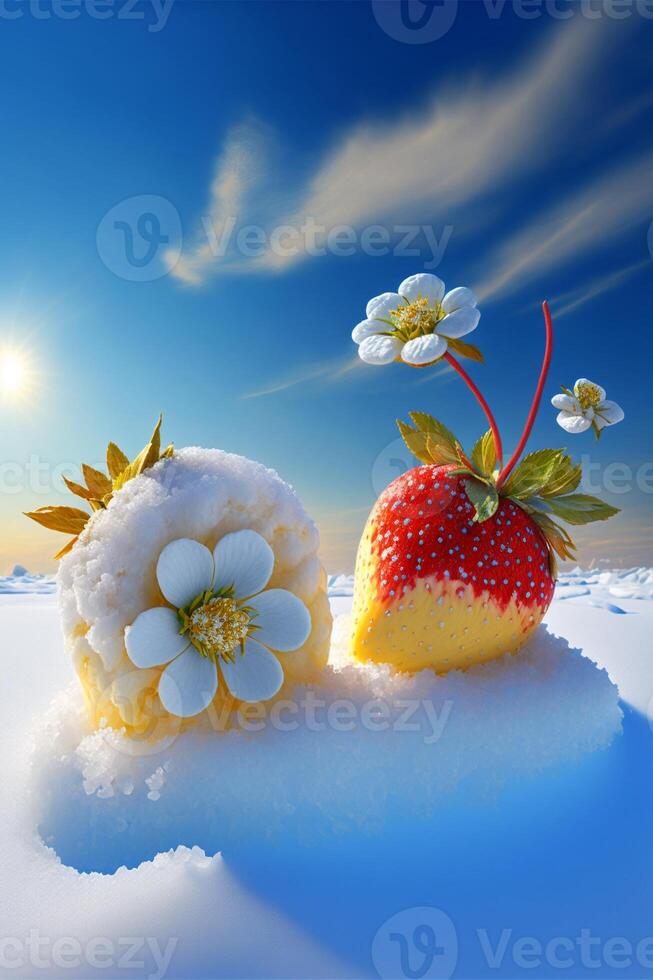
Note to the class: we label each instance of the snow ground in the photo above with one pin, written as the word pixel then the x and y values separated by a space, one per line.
pixel 544 842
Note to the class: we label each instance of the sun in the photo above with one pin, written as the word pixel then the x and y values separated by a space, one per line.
pixel 17 375
pixel 13 373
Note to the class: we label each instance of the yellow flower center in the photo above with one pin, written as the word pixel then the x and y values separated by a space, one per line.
pixel 218 627
pixel 416 319
pixel 588 395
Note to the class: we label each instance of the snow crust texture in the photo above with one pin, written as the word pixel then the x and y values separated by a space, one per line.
pixel 363 749
pixel 109 576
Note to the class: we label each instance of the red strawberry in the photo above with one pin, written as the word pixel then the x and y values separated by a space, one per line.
pixel 435 588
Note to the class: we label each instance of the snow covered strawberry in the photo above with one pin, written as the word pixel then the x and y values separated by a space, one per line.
pixel 436 588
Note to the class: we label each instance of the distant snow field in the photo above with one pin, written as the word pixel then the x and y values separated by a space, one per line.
pixel 510 797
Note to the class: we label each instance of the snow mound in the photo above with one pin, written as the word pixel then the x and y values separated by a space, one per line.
pixel 22 582
pixel 364 750
pixel 627 583
pixel 109 576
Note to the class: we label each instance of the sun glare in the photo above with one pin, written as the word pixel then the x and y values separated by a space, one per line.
pixel 12 373
pixel 16 375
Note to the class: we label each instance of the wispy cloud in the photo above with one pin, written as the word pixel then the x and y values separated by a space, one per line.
pixel 337 369
pixel 582 222
pixel 567 302
pixel 469 139
pixel 325 372
pixel 238 170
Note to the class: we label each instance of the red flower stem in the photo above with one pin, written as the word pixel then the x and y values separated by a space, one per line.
pixel 532 415
pixel 498 448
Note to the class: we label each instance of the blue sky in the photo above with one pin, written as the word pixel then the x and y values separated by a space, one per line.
pixel 521 144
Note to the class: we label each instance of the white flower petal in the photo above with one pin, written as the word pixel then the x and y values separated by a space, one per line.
pixel 460 322
pixel 380 350
pixel 566 404
pixel 608 413
pixel 188 684
pixel 585 381
pixel 255 675
pixel 283 621
pixel 382 306
pixel 573 423
pixel 243 560
pixel 184 569
pixel 457 298
pixel 423 284
pixel 424 350
pixel 153 638
pixel 366 328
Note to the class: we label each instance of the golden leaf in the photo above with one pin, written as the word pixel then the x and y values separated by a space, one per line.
pixel 78 489
pixel 465 350
pixel 66 548
pixel 153 448
pixel 97 482
pixel 116 460
pixel 69 520
pixel 147 457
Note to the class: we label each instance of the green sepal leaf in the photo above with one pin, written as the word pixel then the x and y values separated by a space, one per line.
pixel 442 453
pixel 484 498
pixel 466 471
pixel 426 423
pixel 558 541
pixel 581 508
pixel 533 473
pixel 416 442
pixel 431 442
pixel 484 454
pixel 565 478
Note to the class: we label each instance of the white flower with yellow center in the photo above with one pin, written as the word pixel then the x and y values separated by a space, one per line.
pixel 415 323
pixel 584 407
pixel 221 617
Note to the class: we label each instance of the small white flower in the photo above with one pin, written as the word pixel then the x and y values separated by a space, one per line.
pixel 584 407
pixel 220 616
pixel 415 323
